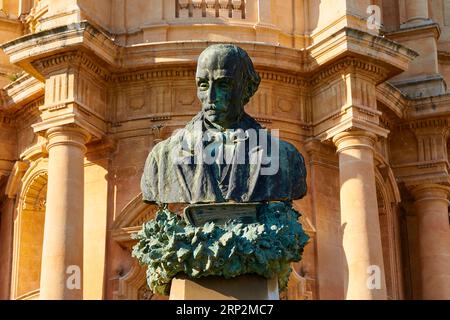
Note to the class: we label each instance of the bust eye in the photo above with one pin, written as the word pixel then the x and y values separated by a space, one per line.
pixel 203 85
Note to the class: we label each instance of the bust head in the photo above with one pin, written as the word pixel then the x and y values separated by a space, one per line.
pixel 226 80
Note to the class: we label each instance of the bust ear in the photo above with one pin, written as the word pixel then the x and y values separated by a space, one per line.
pixel 249 89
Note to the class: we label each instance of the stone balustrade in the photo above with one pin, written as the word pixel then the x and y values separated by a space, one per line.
pixel 234 9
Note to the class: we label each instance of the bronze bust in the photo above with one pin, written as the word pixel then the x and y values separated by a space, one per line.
pixel 223 154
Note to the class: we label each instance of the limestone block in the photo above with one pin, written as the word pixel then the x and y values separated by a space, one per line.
pixel 247 287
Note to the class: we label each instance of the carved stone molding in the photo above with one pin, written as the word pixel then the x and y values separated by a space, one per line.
pixel 176 73
pixel 35 194
pixel 437 125
pixel 133 286
pixel 72 58
pixel 153 75
pixel 6 120
pixel 412 174
pixel 428 108
pixel 30 110
pixel 430 191
pixel 67 135
pixel 130 220
pixel 283 78
pixel 431 165
pixel 299 288
pixel 351 65
pixel 392 98
pixel 12 96
pixel 354 139
pixel 71 113
pixel 15 177
pixel 346 121
pixel 35 152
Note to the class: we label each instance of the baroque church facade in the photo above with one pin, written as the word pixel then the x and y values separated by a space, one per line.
pixel 359 87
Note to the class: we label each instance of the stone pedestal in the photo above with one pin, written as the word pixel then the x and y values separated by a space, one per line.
pixel 431 204
pixel 247 287
pixel 62 252
pixel 359 215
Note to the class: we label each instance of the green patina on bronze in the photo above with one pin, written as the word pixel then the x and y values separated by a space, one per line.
pixel 226 80
pixel 168 245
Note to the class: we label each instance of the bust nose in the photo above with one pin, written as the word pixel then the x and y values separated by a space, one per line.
pixel 212 94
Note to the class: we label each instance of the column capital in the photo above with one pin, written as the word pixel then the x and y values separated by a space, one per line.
pixel 430 191
pixel 67 135
pixel 354 139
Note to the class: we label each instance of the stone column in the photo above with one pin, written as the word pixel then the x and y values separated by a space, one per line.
pixel 359 216
pixel 431 204
pixel 416 10
pixel 62 252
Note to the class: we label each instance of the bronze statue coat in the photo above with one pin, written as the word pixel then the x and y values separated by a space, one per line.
pixel 184 179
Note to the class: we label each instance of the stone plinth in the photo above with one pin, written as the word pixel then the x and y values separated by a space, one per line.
pixel 247 287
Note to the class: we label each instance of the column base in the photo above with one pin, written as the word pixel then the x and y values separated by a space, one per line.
pixel 246 287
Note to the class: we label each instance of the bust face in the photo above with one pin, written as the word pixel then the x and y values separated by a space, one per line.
pixel 219 86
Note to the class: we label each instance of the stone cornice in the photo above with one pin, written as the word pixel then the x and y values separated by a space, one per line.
pixel 347 41
pixel 433 123
pixel 349 64
pixel 431 106
pixel 30 110
pixel 421 30
pixel 83 45
pixel 32 47
pixel 21 92
pixel 154 74
pixel 413 174
pixel 392 98
pixel 72 58
pixel 185 72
